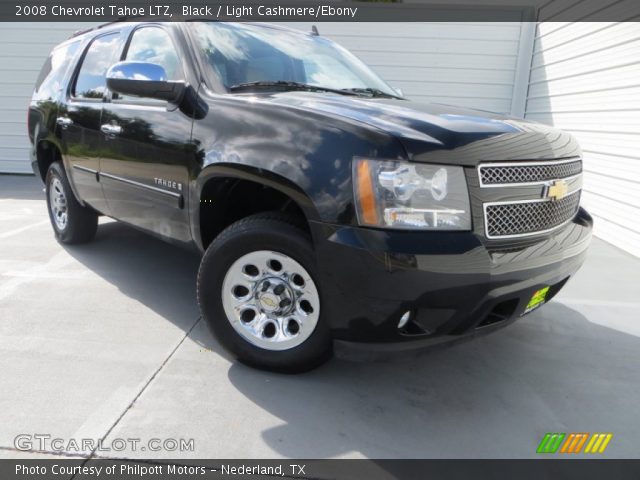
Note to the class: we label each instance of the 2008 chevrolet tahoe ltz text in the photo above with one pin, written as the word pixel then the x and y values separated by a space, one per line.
pixel 328 207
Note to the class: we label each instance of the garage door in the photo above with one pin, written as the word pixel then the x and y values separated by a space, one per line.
pixel 23 49
pixel 463 64
pixel 585 78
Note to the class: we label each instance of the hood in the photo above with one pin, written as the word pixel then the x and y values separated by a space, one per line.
pixel 442 133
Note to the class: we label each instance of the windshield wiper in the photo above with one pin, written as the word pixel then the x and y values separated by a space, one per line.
pixel 288 86
pixel 372 92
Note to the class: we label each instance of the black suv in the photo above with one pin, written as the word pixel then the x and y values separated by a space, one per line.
pixel 329 208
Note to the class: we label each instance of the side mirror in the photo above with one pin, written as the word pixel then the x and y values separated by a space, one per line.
pixel 143 79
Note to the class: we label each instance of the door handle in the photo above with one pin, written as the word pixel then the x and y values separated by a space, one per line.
pixel 111 129
pixel 64 122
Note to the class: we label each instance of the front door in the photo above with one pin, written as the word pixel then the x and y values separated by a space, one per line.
pixel 144 168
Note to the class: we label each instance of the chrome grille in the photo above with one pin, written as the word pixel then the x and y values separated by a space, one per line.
pixel 495 174
pixel 528 217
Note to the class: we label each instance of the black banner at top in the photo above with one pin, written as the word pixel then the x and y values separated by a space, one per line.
pixel 320 10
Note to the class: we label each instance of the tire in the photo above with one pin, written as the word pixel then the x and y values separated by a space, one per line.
pixel 71 222
pixel 292 338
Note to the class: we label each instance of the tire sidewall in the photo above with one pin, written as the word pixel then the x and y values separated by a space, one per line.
pixel 267 235
pixel 55 171
pixel 82 221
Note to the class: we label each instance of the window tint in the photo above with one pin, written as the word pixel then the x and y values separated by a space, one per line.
pixel 91 82
pixel 154 45
pixel 316 67
pixel 49 81
pixel 242 52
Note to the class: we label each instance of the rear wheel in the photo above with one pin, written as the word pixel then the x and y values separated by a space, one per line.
pixel 257 291
pixel 71 222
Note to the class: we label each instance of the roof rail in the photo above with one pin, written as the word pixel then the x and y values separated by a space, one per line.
pixel 314 29
pixel 102 25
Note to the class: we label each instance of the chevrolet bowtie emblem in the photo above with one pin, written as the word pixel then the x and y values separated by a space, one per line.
pixel 557 190
pixel 268 302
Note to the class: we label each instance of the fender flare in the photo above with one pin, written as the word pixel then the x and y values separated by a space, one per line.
pixel 253 174
pixel 54 143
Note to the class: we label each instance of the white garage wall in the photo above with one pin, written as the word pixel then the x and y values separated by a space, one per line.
pixel 463 64
pixel 23 49
pixel 585 78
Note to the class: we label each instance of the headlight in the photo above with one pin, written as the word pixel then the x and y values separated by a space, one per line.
pixel 396 194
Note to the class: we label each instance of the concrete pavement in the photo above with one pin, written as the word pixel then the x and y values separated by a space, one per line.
pixel 103 341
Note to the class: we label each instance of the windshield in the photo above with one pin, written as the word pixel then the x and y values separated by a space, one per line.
pixel 244 53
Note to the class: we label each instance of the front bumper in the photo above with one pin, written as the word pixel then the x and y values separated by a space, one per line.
pixel 454 284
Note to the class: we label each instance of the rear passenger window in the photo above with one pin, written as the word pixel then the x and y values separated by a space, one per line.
pixel 154 45
pixel 91 81
pixel 49 82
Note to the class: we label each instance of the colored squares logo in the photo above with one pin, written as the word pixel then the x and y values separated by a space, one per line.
pixel 574 443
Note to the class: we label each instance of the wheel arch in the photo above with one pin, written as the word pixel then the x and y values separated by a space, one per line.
pixel 218 195
pixel 46 152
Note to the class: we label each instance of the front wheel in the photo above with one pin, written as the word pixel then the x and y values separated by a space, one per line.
pixel 258 291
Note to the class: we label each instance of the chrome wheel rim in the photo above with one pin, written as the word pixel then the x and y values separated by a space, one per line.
pixel 58 203
pixel 270 300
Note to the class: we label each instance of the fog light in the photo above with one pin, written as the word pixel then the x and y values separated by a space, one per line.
pixel 404 319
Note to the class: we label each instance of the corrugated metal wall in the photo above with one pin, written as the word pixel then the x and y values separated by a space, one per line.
pixel 23 49
pixel 585 78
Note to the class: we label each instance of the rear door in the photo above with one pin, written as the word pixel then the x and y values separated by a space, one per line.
pixel 79 118
pixel 144 170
